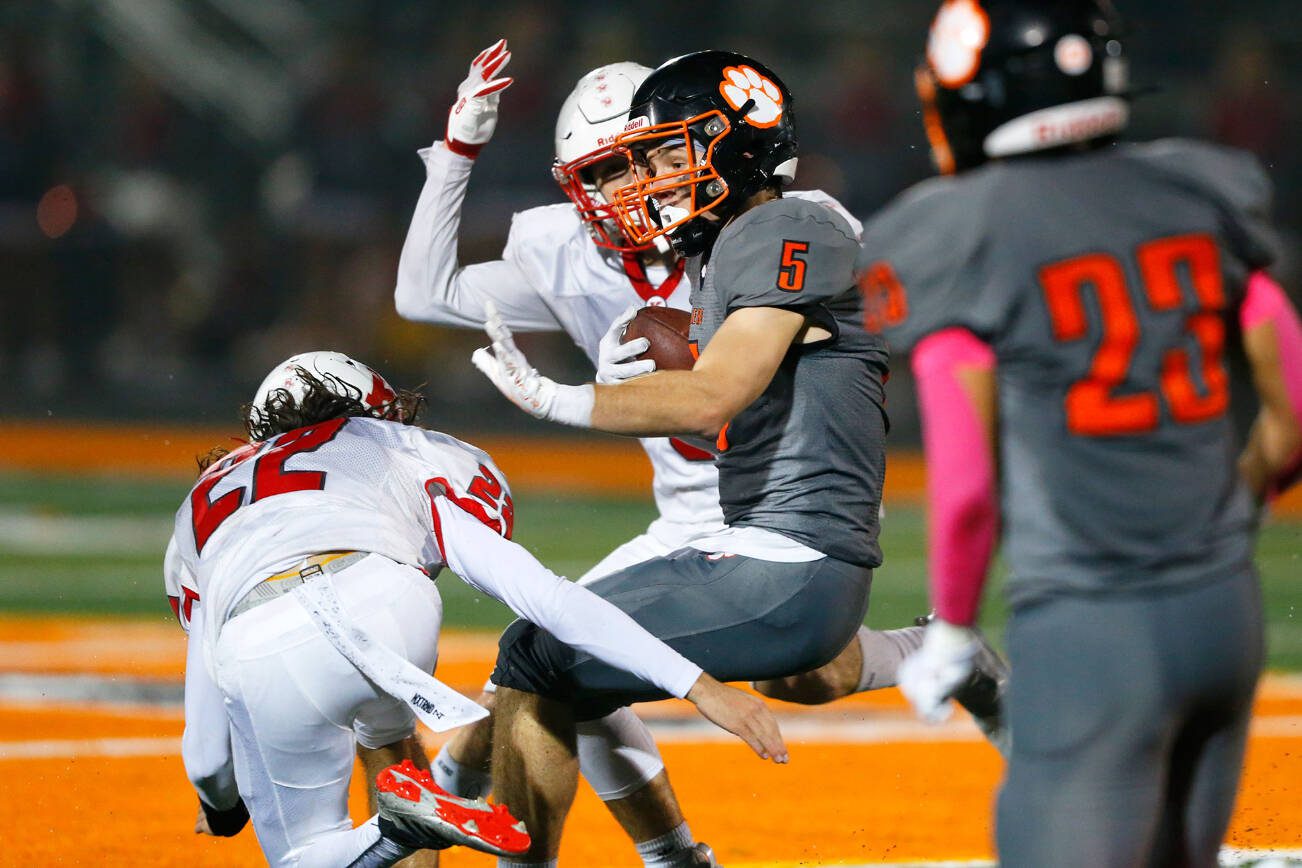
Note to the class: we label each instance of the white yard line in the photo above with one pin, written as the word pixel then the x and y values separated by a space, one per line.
pixel 1277 726
pixel 1279 857
pixel 30 533
pixel 1230 857
pixel 800 729
pixel 1281 685
pixel 796 731
pixel 56 748
pixel 95 689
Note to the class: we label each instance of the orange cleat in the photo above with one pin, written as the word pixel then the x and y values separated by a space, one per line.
pixel 428 816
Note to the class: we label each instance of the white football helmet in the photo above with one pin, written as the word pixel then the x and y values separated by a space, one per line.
pixel 592 115
pixel 345 377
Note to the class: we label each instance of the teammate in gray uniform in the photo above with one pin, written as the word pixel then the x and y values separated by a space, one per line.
pixel 787 384
pixel 1076 295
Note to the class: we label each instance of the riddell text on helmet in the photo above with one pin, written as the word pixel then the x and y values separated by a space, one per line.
pixel 1078 129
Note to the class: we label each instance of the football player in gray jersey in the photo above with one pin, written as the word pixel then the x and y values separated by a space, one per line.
pixel 1067 300
pixel 787 388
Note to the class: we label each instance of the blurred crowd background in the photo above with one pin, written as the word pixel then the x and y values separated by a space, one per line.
pixel 191 190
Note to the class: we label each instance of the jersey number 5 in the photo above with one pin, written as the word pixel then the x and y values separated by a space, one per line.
pixel 791 273
pixel 269 477
pixel 1092 405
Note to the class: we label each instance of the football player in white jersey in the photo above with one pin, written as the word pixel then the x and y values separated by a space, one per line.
pixel 302 566
pixel 570 267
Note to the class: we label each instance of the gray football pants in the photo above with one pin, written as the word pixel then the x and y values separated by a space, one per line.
pixel 738 618
pixel 1129 719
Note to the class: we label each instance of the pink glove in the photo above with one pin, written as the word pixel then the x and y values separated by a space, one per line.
pixel 474 115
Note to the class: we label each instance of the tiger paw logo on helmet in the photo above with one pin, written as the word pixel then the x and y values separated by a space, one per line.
pixel 741 84
pixel 959 33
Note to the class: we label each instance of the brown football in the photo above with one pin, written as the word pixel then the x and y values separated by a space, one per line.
pixel 666 329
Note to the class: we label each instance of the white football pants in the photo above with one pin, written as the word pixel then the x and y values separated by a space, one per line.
pixel 297 707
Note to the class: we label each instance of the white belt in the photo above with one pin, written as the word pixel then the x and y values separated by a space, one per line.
pixel 275 587
pixel 438 706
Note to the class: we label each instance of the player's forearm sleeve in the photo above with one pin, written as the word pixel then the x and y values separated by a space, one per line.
pixel 1265 301
pixel 962 498
pixel 571 613
pixel 206 743
pixel 432 286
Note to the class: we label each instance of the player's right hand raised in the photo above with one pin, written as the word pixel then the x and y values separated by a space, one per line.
pixel 473 116
pixel 742 714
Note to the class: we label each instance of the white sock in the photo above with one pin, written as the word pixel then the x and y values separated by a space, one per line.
pixel 883 651
pixel 670 850
pixel 507 863
pixel 464 781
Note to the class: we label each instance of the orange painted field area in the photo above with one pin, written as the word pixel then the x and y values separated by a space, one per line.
pixel 597 465
pixel 96 784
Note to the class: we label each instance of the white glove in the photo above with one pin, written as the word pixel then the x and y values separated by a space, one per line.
pixel 523 386
pixel 473 116
pixel 929 676
pixel 613 356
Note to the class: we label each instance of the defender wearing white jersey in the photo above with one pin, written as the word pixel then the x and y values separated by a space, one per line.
pixel 571 268
pixel 564 268
pixel 301 565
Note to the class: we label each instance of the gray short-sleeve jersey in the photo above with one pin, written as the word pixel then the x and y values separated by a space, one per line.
pixel 807 458
pixel 1108 285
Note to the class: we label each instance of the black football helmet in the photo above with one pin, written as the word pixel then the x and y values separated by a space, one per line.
pixel 1005 77
pixel 731 116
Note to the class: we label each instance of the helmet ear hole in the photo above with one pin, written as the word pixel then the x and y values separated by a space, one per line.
pixel 594 113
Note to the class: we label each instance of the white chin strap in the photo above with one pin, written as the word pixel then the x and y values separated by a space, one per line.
pixel 1058 125
pixel 786 171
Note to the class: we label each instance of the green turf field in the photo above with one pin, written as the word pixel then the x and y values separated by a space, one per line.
pixel 95 546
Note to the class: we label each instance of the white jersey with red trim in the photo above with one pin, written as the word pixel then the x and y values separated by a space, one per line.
pixel 346 484
pixel 551 277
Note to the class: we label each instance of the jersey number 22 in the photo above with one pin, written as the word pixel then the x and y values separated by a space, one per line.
pixel 269 477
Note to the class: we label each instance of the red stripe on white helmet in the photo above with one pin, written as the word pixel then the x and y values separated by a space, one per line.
pixel 341 374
